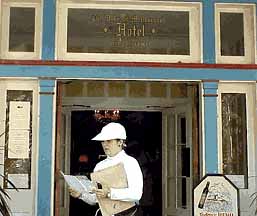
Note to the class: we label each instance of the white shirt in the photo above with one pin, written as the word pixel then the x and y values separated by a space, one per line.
pixel 134 190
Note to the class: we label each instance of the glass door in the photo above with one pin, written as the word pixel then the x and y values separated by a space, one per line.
pixel 177 161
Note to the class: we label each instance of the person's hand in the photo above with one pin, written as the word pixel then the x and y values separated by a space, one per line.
pixel 101 192
pixel 74 193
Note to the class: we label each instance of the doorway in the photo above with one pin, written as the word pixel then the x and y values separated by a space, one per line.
pixel 162 122
pixel 144 143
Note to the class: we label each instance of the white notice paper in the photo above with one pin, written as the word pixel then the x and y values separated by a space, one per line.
pixel 18 144
pixel 19 180
pixel 19 129
pixel 19 115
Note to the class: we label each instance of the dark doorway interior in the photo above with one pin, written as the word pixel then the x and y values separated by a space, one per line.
pixel 144 132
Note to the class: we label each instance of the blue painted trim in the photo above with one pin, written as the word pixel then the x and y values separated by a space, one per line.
pixel 48 36
pixel 208 32
pixel 45 148
pixel 95 72
pixel 210 126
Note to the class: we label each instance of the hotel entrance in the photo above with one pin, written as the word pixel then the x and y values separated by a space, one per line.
pixel 158 117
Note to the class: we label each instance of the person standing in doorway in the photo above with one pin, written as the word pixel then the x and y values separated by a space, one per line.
pixel 112 137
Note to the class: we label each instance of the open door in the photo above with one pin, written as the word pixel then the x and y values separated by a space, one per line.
pixel 177 161
pixel 62 163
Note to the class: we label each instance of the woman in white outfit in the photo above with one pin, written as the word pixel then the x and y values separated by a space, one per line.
pixel 112 137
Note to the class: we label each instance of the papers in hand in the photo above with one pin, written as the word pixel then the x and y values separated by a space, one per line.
pixel 79 183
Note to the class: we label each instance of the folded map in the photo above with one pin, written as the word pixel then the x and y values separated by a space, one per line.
pixel 79 183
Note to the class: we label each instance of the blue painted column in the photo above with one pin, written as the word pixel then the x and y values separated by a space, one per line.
pixel 48 30
pixel 210 126
pixel 45 161
pixel 208 32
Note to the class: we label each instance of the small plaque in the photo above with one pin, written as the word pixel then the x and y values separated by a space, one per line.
pixel 215 195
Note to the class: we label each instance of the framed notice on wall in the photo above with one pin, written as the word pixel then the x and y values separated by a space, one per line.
pixel 19 128
pixel 215 195
pixel 18 139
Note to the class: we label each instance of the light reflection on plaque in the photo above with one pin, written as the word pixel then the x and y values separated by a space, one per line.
pixel 128 31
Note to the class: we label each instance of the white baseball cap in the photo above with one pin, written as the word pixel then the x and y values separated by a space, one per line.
pixel 111 131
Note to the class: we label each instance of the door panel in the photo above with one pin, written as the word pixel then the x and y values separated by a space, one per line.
pixel 64 163
pixel 177 161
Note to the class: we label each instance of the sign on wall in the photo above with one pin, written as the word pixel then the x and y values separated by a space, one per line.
pixel 19 129
pixel 128 31
pixel 215 195
pixel 18 139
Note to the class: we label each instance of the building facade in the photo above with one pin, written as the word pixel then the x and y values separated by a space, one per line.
pixel 180 75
